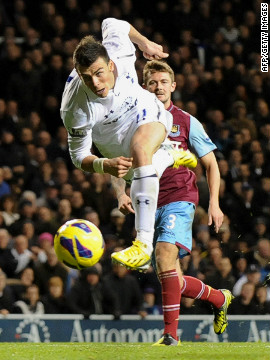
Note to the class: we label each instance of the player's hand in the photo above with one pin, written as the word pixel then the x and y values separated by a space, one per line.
pixel 153 51
pixel 117 167
pixel 216 216
pixel 125 204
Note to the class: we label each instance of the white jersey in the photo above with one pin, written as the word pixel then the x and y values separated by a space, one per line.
pixel 109 122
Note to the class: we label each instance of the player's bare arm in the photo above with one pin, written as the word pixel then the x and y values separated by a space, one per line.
pixel 215 215
pixel 124 201
pixel 150 49
pixel 117 167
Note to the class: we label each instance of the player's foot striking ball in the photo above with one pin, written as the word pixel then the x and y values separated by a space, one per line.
pixel 134 257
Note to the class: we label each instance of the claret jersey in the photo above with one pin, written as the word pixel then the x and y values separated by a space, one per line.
pixel 187 133
pixel 109 122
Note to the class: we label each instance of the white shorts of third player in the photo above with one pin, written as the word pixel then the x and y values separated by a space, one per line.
pixel 114 139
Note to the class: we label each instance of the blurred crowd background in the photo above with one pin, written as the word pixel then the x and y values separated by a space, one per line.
pixel 214 48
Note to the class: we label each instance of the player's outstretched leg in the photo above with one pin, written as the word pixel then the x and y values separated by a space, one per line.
pixel 219 299
pixel 220 319
pixel 144 192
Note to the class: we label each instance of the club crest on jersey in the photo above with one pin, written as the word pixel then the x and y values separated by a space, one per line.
pixel 175 131
pixel 77 132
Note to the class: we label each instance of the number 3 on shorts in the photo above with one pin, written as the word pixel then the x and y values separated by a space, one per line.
pixel 172 219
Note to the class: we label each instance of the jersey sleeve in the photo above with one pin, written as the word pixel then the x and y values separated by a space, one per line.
pixel 79 140
pixel 115 34
pixel 198 138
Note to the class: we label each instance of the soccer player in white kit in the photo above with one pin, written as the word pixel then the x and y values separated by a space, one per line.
pixel 103 103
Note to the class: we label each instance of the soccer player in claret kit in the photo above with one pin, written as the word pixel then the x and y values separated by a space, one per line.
pixel 103 102
pixel 177 200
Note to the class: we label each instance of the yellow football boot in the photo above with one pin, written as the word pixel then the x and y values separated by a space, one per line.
pixel 133 257
pixel 221 320
pixel 167 340
pixel 183 158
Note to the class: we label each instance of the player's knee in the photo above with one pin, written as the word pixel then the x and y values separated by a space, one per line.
pixel 166 255
pixel 164 263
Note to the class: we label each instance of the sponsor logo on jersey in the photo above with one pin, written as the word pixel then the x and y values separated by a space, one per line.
pixel 175 131
pixel 77 132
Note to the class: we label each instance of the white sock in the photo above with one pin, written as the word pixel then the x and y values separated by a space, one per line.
pixel 144 193
pixel 161 160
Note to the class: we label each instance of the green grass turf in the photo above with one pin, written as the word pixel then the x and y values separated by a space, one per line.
pixel 124 351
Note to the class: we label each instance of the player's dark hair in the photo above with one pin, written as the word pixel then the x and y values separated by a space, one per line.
pixel 88 51
pixel 154 66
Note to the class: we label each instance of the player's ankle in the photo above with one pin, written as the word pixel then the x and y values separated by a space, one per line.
pixel 146 237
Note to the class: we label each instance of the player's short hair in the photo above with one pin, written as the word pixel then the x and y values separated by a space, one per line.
pixel 88 51
pixel 154 66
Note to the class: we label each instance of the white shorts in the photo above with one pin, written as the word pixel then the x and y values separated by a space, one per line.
pixel 114 139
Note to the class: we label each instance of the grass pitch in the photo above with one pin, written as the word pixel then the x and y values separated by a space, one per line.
pixel 124 351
